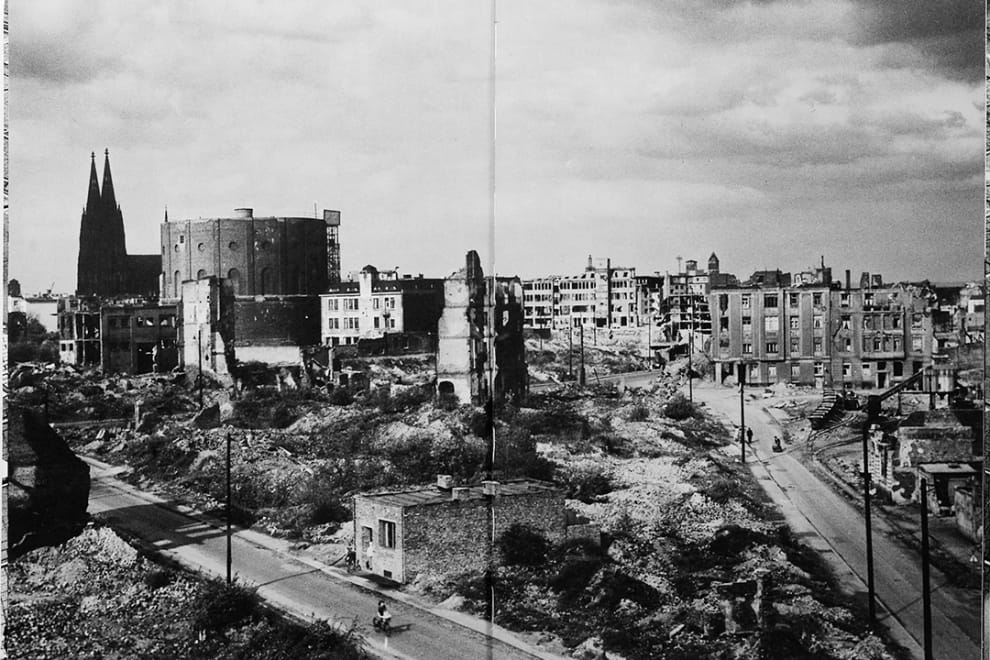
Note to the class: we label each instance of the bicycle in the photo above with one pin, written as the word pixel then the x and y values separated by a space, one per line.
pixel 382 623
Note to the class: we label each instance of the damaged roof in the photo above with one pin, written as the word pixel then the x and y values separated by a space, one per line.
pixel 425 495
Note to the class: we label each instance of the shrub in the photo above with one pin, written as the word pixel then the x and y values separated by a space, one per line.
pixel 220 605
pixel 678 407
pixel 722 490
pixel 341 396
pixel 522 546
pixel 22 351
pixel 158 578
pixel 587 482
pixel 638 413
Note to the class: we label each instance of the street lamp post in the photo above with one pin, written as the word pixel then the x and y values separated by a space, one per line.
pixel 581 374
pixel 690 372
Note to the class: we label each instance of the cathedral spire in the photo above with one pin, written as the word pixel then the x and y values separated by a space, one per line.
pixel 93 199
pixel 109 199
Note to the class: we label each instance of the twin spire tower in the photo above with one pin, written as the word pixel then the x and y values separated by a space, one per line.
pixel 104 267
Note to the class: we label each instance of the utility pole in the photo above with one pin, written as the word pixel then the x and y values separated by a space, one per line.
pixel 926 590
pixel 690 353
pixel 570 349
pixel 866 514
pixel 742 410
pixel 581 374
pixel 228 510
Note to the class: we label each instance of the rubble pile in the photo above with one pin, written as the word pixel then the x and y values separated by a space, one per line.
pixel 690 551
pixel 605 353
pixel 96 597
pixel 69 394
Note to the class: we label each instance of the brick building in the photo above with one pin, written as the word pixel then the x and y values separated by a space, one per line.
pixel 258 255
pixel 449 529
pixel 379 303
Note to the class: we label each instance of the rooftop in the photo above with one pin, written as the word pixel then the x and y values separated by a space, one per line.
pixel 425 495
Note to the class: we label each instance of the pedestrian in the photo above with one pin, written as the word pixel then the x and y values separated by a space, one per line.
pixel 369 554
pixel 351 560
pixel 749 436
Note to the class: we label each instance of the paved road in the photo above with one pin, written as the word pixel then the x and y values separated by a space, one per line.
pixel 834 527
pixel 297 587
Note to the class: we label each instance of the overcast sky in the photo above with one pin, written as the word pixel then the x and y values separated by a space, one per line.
pixel 771 133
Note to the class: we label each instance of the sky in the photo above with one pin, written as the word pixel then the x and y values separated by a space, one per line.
pixel 773 133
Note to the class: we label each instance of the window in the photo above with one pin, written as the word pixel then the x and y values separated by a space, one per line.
pixel 916 343
pixel 334 324
pixel 386 533
pixel 377 322
pixel 747 348
pixel 878 343
pixel 846 322
pixel 818 345
pixel 816 298
pixel 771 347
pixel 770 300
pixel 771 323
pixel 867 369
pixel 844 298
pixel 182 239
pixel 847 344
pixel 795 346
pixel 723 324
pixel 350 304
pixel 746 301
pixel 793 299
pixel 795 323
pixel 772 373
pixel 916 321
pixel 895 321
pixel 897 343
pixel 166 320
pixel 819 321
pixel 376 303
pixel 795 372
pixel 723 302
pixel 867 322
pixel 868 299
pixel 847 370
pixel 819 368
pixel 333 304
pixel 747 324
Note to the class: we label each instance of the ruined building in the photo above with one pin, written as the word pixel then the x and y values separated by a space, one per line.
pixel 477 313
pixel 104 267
pixel 257 255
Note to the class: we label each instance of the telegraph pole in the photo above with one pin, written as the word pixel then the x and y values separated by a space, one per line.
pixel 742 410
pixel 228 510
pixel 581 375
pixel 690 353
pixel 926 590
pixel 866 514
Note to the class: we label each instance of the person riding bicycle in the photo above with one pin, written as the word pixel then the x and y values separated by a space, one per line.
pixel 383 618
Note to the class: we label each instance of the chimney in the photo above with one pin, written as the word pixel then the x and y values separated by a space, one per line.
pixel 459 493
pixel 244 213
pixel 445 481
pixel 848 283
pixel 489 488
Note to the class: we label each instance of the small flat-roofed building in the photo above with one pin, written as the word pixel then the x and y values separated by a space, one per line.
pixel 446 528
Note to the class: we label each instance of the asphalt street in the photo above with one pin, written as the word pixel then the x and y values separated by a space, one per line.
pixel 302 589
pixel 834 527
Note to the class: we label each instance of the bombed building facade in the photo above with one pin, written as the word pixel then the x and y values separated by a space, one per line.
pixel 466 340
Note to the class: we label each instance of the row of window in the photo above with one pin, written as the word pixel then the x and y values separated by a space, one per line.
pixel 163 320
pixel 352 304
pixel 354 323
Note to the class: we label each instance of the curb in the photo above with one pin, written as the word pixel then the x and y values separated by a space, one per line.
pixel 265 542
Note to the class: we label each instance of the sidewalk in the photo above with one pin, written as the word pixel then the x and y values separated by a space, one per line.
pixel 283 549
